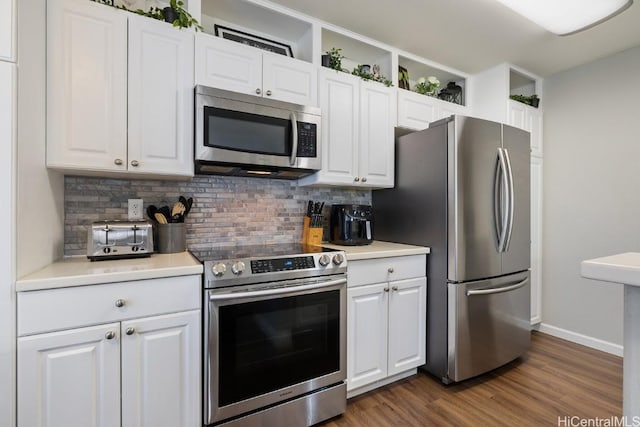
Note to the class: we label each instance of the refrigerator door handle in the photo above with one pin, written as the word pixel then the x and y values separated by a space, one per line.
pixel 502 289
pixel 500 211
pixel 510 200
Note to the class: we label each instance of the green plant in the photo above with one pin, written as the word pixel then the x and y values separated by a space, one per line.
pixel 427 86
pixel 335 58
pixel 376 77
pixel 183 19
pixel 529 100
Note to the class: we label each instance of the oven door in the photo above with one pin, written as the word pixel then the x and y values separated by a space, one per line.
pixel 269 344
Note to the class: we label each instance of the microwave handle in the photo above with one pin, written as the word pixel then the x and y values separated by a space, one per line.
pixel 294 130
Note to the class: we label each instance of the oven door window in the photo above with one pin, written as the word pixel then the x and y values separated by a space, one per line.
pixel 271 344
pixel 246 132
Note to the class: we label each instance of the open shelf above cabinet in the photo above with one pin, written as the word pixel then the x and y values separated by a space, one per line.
pixel 417 69
pixel 357 52
pixel 260 21
pixel 521 84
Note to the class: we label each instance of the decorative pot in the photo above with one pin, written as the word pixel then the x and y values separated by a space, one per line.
pixel 169 14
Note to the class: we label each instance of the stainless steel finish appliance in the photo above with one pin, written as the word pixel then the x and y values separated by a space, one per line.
pixel 119 239
pixel 351 225
pixel 274 335
pixel 462 188
pixel 238 134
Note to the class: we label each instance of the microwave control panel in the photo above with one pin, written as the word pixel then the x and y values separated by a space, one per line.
pixel 307 140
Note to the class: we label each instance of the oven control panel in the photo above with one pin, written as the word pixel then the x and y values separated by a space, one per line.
pixel 282 264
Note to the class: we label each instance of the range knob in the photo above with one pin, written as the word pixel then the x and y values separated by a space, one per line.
pixel 237 268
pixel 338 259
pixel 218 269
pixel 324 260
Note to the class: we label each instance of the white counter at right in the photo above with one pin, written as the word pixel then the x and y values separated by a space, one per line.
pixel 624 269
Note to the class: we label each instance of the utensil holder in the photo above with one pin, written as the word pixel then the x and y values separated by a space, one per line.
pixel 172 238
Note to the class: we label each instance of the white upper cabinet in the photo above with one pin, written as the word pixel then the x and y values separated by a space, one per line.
pixel 160 98
pixel 358 118
pixel 232 66
pixel 119 92
pixel 8 30
pixel 86 86
pixel 416 111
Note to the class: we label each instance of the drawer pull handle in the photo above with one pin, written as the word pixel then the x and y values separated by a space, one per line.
pixel 390 269
pixel 130 331
pixel 386 289
pixel 120 303
pixel 110 335
pixel 394 288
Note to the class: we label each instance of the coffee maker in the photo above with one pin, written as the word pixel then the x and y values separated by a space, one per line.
pixel 351 225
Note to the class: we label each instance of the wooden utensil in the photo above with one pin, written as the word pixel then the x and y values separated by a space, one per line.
pixel 159 216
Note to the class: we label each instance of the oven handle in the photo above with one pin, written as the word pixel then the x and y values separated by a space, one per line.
pixel 278 291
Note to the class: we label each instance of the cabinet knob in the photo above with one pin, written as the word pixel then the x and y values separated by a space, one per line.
pixel 390 270
pixel 364 179
pixel 356 179
pixel 120 303
pixel 393 288
pixel 130 331
pixel 110 335
pixel 268 93
pixel 386 289
pixel 134 163
pixel 118 162
pixel 258 91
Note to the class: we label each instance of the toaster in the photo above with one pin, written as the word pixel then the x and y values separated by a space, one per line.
pixel 119 239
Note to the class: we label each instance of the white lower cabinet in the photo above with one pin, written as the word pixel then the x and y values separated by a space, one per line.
pixel 386 330
pixel 131 373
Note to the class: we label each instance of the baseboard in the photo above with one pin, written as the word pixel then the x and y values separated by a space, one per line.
pixel 577 338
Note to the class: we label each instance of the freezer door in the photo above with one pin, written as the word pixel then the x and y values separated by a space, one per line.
pixel 489 324
pixel 517 254
pixel 474 147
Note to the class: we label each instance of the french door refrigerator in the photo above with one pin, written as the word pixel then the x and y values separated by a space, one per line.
pixel 462 188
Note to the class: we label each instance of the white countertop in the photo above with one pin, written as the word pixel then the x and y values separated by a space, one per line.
pixel 379 249
pixel 622 268
pixel 79 271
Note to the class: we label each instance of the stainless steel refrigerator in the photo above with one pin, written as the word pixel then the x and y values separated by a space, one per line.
pixel 462 188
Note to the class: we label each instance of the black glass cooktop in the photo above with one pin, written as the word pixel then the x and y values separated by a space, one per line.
pixel 256 251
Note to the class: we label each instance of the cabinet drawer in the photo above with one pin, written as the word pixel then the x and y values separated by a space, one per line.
pixel 386 269
pixel 55 309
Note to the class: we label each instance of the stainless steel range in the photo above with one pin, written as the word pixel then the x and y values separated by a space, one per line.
pixel 274 335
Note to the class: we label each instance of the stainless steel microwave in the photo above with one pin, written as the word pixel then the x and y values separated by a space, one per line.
pixel 245 135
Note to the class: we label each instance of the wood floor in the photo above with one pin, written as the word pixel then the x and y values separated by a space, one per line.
pixel 555 379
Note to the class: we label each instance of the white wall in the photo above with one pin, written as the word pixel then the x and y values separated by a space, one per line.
pixel 591 190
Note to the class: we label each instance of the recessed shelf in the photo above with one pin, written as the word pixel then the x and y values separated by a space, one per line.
pixel 417 69
pixel 521 84
pixel 357 52
pixel 260 21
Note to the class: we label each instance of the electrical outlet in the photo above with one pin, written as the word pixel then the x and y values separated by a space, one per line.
pixel 135 209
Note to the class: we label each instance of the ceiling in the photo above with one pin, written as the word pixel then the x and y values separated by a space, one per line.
pixel 473 35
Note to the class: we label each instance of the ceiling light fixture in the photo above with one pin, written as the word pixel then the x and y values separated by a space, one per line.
pixel 565 17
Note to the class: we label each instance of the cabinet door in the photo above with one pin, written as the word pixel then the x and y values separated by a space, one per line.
pixel 7 29
pixel 407 324
pixel 536 240
pixel 228 65
pixel 86 86
pixel 161 371
pixel 160 98
pixel 377 120
pixel 70 378
pixel 535 126
pixel 339 102
pixel 367 313
pixel 289 80
pixel 416 111
pixel 516 114
pixel 447 109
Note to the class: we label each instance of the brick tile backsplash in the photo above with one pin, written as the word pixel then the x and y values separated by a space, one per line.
pixel 226 210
